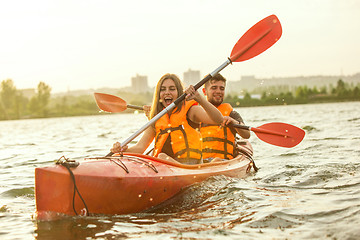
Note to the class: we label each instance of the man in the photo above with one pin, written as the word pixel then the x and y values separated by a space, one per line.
pixel 218 141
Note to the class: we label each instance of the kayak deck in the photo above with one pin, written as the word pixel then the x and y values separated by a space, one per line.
pixel 122 184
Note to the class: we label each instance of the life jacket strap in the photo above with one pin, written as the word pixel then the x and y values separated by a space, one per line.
pixel 166 130
pixel 210 139
pixel 210 150
pixel 179 153
pixel 187 149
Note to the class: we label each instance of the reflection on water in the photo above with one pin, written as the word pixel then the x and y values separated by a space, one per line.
pixel 310 191
pixel 74 228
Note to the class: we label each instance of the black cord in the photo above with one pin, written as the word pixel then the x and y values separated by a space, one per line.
pixel 76 190
pixel 149 151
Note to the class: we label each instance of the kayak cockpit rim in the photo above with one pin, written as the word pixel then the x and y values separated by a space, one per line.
pixel 145 160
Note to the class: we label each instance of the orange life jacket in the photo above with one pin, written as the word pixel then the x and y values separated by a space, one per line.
pixel 185 140
pixel 218 142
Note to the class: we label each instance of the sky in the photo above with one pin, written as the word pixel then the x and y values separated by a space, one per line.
pixel 90 44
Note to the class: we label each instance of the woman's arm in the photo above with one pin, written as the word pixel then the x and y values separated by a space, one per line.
pixel 140 146
pixel 206 112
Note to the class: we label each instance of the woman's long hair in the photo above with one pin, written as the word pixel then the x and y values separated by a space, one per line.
pixel 156 105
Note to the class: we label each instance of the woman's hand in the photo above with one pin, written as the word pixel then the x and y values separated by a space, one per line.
pixel 117 148
pixel 147 109
pixel 191 93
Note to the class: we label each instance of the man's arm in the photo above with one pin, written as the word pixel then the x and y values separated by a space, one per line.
pixel 242 132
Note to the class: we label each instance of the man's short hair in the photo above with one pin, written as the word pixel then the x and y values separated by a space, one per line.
pixel 217 77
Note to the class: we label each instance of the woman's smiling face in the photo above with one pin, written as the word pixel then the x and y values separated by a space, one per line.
pixel 168 92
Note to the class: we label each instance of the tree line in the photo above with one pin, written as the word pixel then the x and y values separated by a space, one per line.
pixel 282 95
pixel 14 105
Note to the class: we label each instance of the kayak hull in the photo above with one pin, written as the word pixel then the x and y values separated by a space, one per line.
pixel 120 185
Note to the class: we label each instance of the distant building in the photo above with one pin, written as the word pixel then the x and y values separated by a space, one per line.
pixel 248 78
pixel 139 83
pixel 191 77
pixel 251 83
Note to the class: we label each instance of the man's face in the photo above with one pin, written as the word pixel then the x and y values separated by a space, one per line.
pixel 215 92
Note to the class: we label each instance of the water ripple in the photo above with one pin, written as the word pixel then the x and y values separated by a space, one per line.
pixel 311 191
pixel 20 192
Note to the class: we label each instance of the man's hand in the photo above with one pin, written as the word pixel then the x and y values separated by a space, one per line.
pixel 228 120
pixel 242 132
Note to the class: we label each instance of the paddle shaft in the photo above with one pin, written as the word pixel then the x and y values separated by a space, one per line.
pixel 259 130
pixel 240 50
pixel 197 86
pixel 134 107
pixel 278 134
pixel 175 103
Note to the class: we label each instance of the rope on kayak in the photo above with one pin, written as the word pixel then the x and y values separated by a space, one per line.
pixel 247 154
pixel 129 158
pixel 68 163
pixel 149 151
pixel 112 159
pixel 140 160
pixel 119 163
pixel 252 164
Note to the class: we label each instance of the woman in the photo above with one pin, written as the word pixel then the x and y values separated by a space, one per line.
pixel 176 138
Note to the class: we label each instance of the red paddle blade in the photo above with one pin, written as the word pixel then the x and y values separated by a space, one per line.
pixel 280 134
pixel 257 39
pixel 110 103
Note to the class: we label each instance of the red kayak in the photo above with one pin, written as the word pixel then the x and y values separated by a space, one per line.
pixel 123 184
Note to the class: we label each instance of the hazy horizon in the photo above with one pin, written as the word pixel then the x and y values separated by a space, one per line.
pixel 152 86
pixel 94 44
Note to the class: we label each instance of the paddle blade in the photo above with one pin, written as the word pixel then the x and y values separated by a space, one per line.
pixel 257 39
pixel 110 103
pixel 280 134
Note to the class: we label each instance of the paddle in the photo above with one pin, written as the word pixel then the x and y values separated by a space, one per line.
pixel 256 40
pixel 111 103
pixel 277 133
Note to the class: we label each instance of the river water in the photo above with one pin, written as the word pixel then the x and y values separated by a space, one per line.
pixel 311 191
